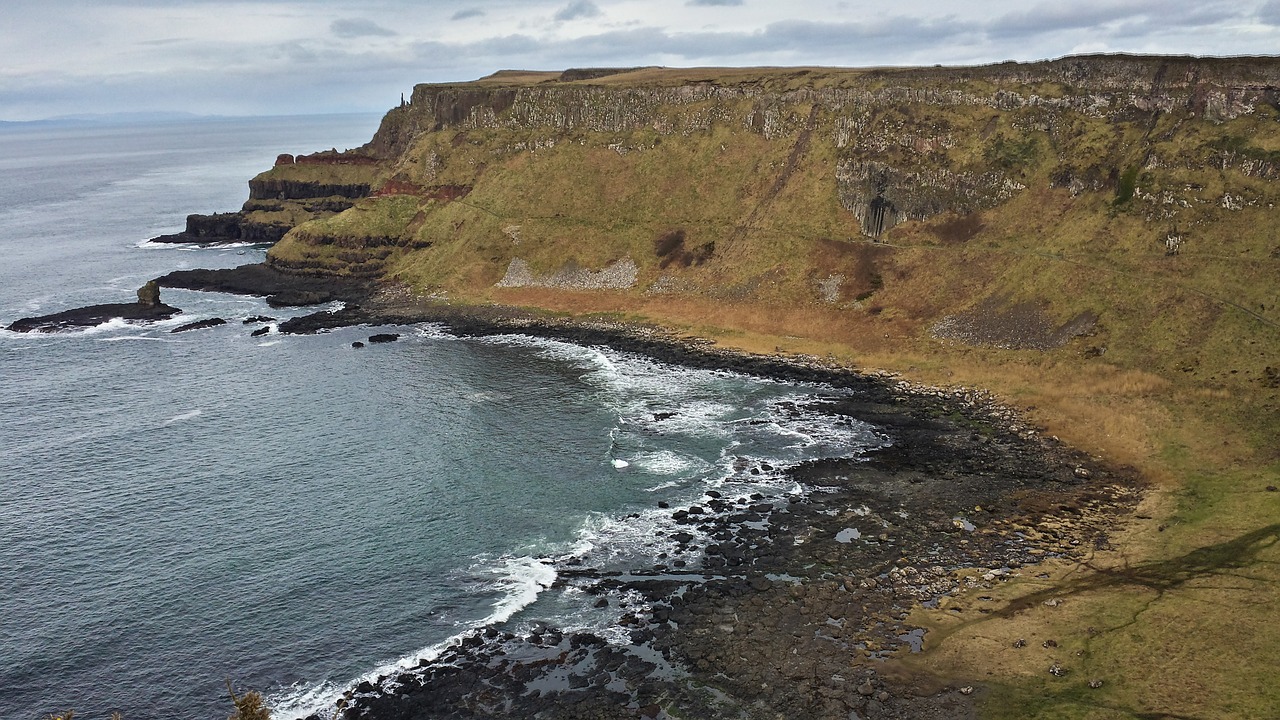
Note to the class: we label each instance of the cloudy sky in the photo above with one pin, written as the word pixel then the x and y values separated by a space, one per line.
pixel 306 56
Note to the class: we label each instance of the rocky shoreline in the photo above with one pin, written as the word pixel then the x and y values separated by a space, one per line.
pixel 783 604
pixel 769 603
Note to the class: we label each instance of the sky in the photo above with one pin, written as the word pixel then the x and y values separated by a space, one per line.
pixel 281 57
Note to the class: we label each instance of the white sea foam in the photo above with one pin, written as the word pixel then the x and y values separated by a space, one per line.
pixel 148 338
pixel 619 464
pixel 431 330
pixel 184 416
pixel 668 462
pixel 519 580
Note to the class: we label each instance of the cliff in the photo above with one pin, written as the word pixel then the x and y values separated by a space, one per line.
pixel 1015 205
pixel 1094 238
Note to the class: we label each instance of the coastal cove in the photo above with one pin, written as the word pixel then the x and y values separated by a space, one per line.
pixel 657 393
pixel 201 510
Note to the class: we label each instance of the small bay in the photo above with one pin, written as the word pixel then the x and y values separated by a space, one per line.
pixel 289 512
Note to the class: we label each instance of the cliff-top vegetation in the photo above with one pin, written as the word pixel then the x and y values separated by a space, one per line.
pixel 1093 238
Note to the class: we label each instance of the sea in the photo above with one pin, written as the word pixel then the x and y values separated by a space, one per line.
pixel 290 514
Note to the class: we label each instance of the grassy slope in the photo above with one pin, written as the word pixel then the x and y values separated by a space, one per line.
pixel 1182 609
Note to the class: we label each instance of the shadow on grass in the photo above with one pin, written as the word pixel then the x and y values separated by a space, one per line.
pixel 1225 560
pixel 1221 560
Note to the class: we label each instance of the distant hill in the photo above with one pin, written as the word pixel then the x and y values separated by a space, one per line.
pixel 122 118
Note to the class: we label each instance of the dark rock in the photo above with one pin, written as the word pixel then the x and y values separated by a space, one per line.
pixel 357 344
pixel 93 315
pixel 260 332
pixel 199 325
pixel 383 338
pixel 682 537
pixel 1271 488
pixel 280 288
pixel 663 415
pixel 258 319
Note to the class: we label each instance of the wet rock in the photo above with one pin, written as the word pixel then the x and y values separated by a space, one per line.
pixel 260 332
pixel 258 319
pixel 93 315
pixel 281 289
pixel 199 325
pixel 383 338
pixel 357 344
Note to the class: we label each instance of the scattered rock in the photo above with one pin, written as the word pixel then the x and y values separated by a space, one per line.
pixel 1095 684
pixel 258 319
pixel 199 325
pixel 1019 643
pixel 1057 670
pixel 866 689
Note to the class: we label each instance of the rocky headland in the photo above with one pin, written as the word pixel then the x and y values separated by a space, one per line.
pixel 1092 238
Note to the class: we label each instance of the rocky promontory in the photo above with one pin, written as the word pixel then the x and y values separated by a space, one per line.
pixel 148 308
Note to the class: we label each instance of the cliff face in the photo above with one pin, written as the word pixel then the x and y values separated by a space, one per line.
pixel 901 197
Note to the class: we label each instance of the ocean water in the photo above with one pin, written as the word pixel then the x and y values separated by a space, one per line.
pixel 290 513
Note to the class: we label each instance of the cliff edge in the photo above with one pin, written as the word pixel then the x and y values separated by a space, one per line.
pixel 1094 238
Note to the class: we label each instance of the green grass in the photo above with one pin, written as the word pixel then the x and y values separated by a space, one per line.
pixel 1179 392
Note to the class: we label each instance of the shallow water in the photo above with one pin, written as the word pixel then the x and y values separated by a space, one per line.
pixel 290 512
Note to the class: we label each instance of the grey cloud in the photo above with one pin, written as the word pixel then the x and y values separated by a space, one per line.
pixel 790 41
pixel 578 9
pixel 348 28
pixel 1056 17
pixel 710 3
pixel 1119 22
pixel 1270 12
pixel 468 13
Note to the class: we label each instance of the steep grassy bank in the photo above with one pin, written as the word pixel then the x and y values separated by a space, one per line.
pixel 1094 239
